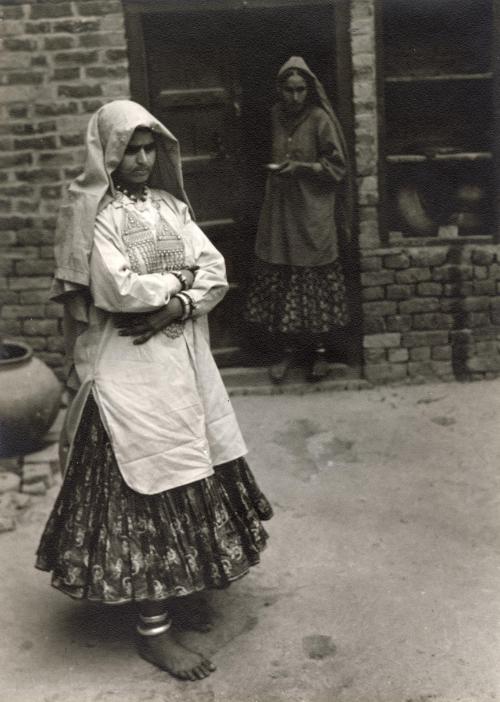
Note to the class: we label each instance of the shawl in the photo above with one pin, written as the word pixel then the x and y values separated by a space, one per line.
pixel 346 200
pixel 109 130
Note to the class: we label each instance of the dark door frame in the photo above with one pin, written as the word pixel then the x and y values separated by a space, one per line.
pixel 135 10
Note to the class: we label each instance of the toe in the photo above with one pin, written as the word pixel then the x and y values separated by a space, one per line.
pixel 206 668
pixel 200 672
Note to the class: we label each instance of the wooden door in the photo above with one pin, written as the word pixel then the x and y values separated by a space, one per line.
pixel 194 90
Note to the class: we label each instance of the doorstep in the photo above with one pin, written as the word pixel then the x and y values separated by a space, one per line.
pixel 255 381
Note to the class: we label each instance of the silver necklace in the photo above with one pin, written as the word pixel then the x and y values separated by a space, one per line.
pixel 135 198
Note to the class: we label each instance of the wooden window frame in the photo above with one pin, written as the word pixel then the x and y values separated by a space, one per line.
pixel 384 233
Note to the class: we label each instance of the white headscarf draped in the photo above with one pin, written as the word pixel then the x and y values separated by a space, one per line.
pixel 108 133
pixel 346 202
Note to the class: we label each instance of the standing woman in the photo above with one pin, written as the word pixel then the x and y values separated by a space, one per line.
pixel 298 294
pixel 157 502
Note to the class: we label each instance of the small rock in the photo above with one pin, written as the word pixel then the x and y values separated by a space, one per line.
pixel 45 455
pixel 7 524
pixel 20 500
pixel 38 488
pixel 11 465
pixel 9 482
pixel 7 502
pixel 38 472
pixel 49 454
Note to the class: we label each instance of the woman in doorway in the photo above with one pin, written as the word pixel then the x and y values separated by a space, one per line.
pixel 157 503
pixel 297 295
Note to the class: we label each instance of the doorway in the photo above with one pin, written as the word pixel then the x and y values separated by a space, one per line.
pixel 209 75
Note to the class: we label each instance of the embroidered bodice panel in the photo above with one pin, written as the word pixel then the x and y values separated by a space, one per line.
pixel 151 248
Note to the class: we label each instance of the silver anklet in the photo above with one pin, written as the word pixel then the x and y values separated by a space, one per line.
pixel 154 619
pixel 154 630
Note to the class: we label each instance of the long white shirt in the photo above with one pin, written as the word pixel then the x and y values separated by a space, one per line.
pixel 163 403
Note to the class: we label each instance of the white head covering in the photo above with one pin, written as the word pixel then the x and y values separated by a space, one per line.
pixel 297 63
pixel 108 133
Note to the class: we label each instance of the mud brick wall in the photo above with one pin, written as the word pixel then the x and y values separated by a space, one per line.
pixel 428 311
pixel 431 312
pixel 59 61
pixel 366 125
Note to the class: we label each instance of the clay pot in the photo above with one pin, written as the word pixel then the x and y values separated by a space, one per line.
pixel 413 212
pixel 470 195
pixel 466 221
pixel 30 398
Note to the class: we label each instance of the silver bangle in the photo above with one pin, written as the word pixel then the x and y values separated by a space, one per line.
pixel 181 278
pixel 186 305
pixel 155 619
pixel 154 630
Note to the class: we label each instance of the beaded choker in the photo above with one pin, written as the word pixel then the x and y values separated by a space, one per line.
pixel 142 196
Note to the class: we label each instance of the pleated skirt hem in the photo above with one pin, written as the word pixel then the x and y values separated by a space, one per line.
pixel 295 300
pixel 104 542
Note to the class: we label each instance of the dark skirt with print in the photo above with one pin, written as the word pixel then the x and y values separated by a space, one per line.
pixel 107 543
pixel 296 300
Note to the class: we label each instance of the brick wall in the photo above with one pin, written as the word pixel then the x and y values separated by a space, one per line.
pixel 59 61
pixel 429 311
pixel 365 119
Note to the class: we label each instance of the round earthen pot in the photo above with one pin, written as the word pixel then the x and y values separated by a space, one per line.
pixel 30 398
pixel 413 212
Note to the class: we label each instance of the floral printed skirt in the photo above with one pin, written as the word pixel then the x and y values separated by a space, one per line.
pixel 105 542
pixel 296 300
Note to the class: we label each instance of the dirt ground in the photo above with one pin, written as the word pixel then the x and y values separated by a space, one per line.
pixel 380 582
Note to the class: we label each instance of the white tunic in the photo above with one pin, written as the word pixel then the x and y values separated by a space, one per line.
pixel 163 403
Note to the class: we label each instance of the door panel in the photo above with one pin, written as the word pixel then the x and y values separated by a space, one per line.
pixel 195 92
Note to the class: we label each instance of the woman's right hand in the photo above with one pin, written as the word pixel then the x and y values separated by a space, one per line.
pixel 144 326
pixel 189 276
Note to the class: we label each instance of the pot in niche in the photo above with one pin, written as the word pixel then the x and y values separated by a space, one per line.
pixel 30 398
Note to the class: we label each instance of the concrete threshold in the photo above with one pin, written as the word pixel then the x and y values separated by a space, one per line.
pixel 255 381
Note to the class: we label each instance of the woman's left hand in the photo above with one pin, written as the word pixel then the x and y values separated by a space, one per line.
pixel 292 168
pixel 288 168
pixel 144 326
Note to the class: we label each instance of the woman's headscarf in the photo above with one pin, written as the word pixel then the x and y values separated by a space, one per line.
pixel 108 133
pixel 297 63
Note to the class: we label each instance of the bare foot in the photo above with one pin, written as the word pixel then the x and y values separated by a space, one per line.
pixel 320 367
pixel 278 371
pixel 166 653
pixel 191 612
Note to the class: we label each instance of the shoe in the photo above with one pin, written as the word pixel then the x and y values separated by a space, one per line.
pixel 278 371
pixel 320 368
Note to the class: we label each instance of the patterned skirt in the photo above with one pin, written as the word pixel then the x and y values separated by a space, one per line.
pixel 299 301
pixel 107 543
